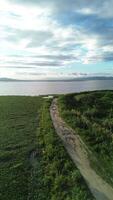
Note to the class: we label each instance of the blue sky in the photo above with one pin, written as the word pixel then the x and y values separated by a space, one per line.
pixel 43 39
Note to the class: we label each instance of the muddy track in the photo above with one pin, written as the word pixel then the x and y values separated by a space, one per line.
pixel 77 151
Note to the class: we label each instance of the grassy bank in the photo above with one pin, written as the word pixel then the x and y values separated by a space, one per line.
pixel 18 123
pixel 90 114
pixel 33 162
pixel 59 178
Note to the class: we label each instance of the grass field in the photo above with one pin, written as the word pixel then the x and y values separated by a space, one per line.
pixel 90 114
pixel 33 162
pixel 18 123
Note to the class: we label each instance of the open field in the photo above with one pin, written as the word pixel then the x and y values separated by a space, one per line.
pixel 33 162
pixel 18 123
pixel 90 114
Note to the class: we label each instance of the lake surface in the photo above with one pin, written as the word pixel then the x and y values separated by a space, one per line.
pixel 44 88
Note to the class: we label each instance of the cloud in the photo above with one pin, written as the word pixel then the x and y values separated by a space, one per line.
pixel 35 38
pixel 54 35
pixel 101 8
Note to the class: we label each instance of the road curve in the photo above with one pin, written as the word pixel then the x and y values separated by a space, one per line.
pixel 75 147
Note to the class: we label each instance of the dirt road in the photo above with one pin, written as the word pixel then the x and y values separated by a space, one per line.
pixel 77 151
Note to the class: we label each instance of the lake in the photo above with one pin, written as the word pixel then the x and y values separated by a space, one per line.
pixel 44 88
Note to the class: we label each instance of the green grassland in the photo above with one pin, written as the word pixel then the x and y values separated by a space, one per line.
pixel 18 123
pixel 33 162
pixel 90 114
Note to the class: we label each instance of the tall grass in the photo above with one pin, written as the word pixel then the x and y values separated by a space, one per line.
pixel 90 114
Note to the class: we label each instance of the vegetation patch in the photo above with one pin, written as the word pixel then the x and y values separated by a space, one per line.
pixel 90 114
pixel 56 176
pixel 18 124
pixel 33 162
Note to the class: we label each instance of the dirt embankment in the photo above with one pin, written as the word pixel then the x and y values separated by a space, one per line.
pixel 77 151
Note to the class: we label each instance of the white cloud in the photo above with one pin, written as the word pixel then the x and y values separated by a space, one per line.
pixel 36 30
pixel 86 11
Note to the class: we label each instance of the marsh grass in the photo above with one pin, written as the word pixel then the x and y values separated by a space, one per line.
pixel 33 162
pixel 90 114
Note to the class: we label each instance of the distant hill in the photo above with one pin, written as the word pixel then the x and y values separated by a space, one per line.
pixel 93 78
pixel 57 80
pixel 7 79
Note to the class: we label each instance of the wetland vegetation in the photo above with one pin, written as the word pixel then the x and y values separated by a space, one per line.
pixel 90 114
pixel 33 162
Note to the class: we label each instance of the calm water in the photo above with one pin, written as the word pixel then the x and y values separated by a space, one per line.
pixel 43 88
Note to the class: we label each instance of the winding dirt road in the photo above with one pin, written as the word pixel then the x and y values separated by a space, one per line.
pixel 77 151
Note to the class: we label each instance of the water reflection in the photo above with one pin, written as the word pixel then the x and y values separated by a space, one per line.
pixel 42 88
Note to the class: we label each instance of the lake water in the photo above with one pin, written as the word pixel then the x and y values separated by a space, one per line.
pixel 44 88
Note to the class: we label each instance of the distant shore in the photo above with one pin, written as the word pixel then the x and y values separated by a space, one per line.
pixel 60 80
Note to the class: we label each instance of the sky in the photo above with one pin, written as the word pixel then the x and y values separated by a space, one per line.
pixel 46 39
